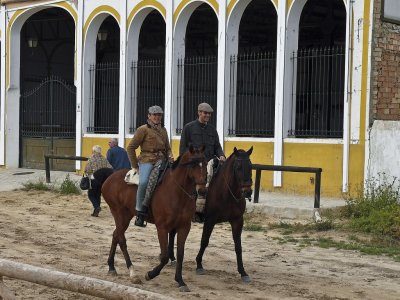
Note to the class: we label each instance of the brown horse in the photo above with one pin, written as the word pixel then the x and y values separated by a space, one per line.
pixel 171 209
pixel 226 202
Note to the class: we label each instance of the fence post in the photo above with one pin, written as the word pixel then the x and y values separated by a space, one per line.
pixel 47 167
pixel 257 186
pixel 317 193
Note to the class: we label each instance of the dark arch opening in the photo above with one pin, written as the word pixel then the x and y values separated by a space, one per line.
pixel 322 23
pixel 320 64
pixel 104 79
pixel 148 73
pixel 252 96
pixel 197 72
pixel 48 95
pixel 258 27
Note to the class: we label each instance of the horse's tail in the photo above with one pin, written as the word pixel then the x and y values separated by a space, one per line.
pixel 102 174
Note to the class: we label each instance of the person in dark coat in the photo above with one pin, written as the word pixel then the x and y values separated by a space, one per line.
pixel 117 156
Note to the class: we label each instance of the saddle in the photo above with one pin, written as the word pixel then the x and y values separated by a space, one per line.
pixel 155 178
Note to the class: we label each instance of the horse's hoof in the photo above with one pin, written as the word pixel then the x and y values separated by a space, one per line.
pixel 112 273
pixel 147 276
pixel 184 288
pixel 246 279
pixel 172 262
pixel 200 271
pixel 131 272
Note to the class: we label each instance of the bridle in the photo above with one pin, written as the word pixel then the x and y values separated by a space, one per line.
pixel 235 175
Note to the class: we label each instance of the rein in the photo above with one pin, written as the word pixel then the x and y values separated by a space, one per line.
pixel 178 185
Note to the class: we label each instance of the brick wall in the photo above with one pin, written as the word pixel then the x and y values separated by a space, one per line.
pixel 385 80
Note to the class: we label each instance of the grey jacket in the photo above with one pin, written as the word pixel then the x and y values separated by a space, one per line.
pixel 198 134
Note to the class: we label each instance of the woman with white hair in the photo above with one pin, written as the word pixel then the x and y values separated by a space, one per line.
pixel 96 161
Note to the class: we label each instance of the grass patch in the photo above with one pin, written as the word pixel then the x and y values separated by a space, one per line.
pixel 39 185
pixel 69 187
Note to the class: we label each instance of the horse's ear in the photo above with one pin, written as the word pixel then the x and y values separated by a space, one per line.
pixel 250 151
pixel 235 150
pixel 203 148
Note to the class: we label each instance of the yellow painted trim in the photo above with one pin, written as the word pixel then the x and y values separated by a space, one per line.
pixel 68 8
pixel 232 4
pixel 214 4
pixel 146 3
pixel 103 8
pixel 364 72
pixel 288 4
pixel 19 12
pixel 10 24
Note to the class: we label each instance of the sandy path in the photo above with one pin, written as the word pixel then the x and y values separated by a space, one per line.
pixel 57 232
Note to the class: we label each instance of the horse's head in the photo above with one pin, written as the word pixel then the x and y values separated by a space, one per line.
pixel 242 171
pixel 196 162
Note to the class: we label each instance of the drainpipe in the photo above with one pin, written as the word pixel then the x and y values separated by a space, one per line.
pixel 79 81
pixel 2 84
pixel 346 107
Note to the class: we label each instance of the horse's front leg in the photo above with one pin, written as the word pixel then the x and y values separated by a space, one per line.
pixel 181 240
pixel 122 226
pixel 205 238
pixel 171 240
pixel 163 240
pixel 237 226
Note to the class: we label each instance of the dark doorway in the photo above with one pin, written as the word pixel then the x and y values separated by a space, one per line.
pixel 320 65
pixel 253 72
pixel 148 72
pixel 198 70
pixel 48 97
pixel 104 80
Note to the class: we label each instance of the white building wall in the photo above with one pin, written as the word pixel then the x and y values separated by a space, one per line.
pixel 384 149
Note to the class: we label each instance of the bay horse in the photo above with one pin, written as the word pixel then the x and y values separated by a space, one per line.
pixel 171 209
pixel 226 202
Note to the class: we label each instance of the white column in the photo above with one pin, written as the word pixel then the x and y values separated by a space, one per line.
pixel 122 75
pixel 221 70
pixel 3 83
pixel 79 81
pixel 169 45
pixel 279 91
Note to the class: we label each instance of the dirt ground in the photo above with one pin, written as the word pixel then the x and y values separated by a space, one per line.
pixel 57 232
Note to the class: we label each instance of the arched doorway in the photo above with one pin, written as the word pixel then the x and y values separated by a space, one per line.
pixel 252 69
pixel 104 79
pixel 48 94
pixel 147 65
pixel 197 68
pixel 319 70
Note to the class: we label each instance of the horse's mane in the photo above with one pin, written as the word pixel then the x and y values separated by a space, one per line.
pixel 176 162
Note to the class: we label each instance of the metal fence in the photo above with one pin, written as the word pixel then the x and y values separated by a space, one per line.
pixel 252 95
pixel 318 93
pixel 48 110
pixel 104 98
pixel 147 89
pixel 197 82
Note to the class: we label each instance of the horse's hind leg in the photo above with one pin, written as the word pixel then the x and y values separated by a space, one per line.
pixel 180 251
pixel 205 238
pixel 171 240
pixel 237 226
pixel 163 240
pixel 110 261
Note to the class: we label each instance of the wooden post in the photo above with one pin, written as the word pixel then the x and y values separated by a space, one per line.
pixel 74 283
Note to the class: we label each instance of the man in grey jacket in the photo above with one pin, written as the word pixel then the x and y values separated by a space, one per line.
pixel 200 133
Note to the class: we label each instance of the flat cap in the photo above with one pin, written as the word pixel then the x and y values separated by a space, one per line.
pixel 155 110
pixel 205 107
